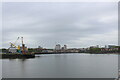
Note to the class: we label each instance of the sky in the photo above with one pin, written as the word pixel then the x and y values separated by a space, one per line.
pixel 76 24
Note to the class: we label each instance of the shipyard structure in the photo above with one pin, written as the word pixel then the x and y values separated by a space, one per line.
pixel 18 51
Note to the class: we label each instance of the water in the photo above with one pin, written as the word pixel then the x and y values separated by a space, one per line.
pixel 62 66
pixel 0 69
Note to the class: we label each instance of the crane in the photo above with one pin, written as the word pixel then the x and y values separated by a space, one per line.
pixel 16 40
pixel 22 49
pixel 14 43
pixel 23 46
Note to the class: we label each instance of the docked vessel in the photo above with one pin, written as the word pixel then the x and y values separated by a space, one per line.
pixel 18 51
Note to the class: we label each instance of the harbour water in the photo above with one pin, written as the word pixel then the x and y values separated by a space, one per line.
pixel 73 65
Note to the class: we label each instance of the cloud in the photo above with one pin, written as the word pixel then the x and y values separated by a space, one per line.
pixel 0 25
pixel 46 24
pixel 96 39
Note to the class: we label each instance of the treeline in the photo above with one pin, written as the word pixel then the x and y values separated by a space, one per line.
pixel 90 50
pixel 104 50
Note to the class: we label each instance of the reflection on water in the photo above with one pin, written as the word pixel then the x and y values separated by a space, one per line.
pixel 62 66
pixel 0 69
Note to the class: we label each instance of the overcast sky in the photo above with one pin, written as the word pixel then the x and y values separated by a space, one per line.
pixel 74 24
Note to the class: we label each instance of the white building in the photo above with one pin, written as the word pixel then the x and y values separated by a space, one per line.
pixel 12 50
pixel 65 47
pixel 58 47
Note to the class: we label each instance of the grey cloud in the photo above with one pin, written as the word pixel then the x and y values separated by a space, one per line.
pixel 49 23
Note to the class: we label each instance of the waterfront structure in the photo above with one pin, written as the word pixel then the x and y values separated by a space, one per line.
pixel 62 48
pixel 97 46
pixel 17 49
pixel 73 50
pixel 93 47
pixel 83 49
pixel 12 50
pixel 106 46
pixel 39 47
pixel 47 51
pixel 58 47
pixel 111 46
pixel 65 47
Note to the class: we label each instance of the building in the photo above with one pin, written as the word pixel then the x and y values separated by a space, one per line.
pixel 93 46
pixel 62 48
pixel 97 46
pixel 111 46
pixel 39 47
pixel 65 47
pixel 12 50
pixel 106 46
pixel 58 47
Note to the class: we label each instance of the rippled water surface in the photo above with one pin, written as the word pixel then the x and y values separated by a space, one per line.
pixel 62 66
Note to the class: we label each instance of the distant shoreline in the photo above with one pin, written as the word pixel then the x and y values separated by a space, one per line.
pixel 75 52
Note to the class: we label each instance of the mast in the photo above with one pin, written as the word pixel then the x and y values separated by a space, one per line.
pixel 23 46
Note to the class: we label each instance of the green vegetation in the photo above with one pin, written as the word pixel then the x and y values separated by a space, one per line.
pixel 95 50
